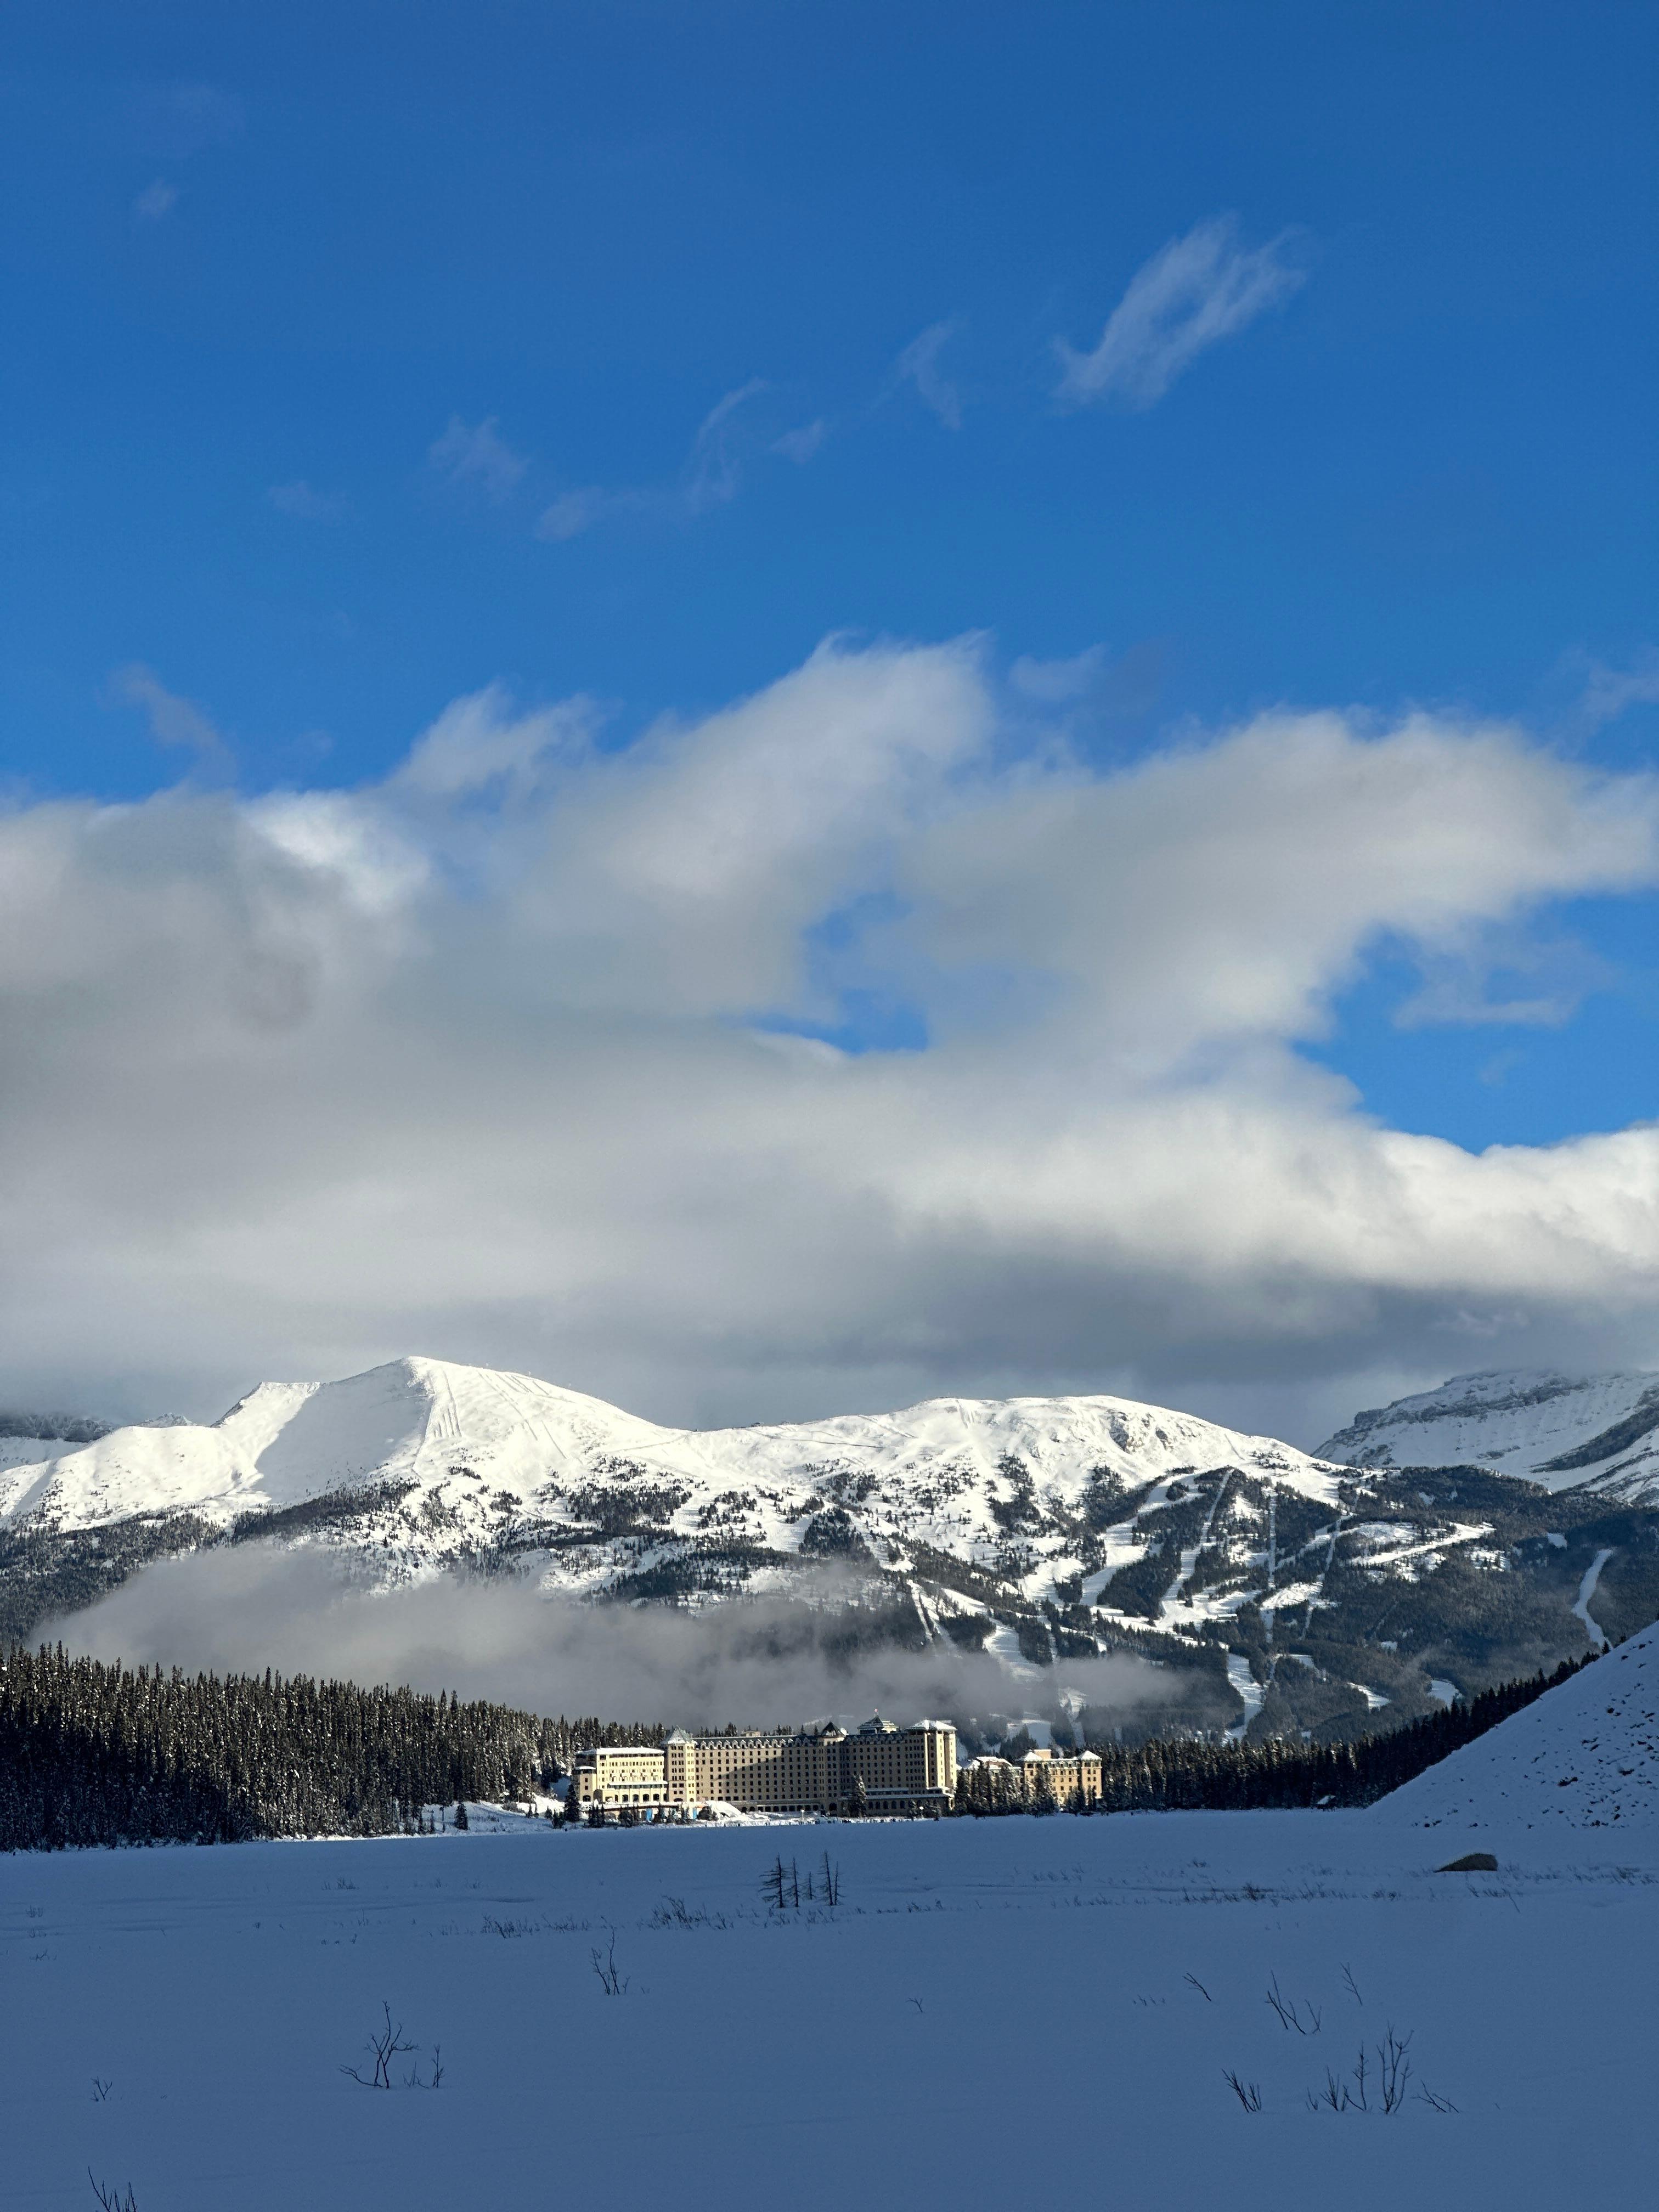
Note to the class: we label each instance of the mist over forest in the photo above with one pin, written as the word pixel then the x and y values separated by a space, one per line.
pixel 757 1661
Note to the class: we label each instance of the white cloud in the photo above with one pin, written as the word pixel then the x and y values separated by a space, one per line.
pixel 477 457
pixel 156 201
pixel 304 503
pixel 919 365
pixel 1193 292
pixel 483 1060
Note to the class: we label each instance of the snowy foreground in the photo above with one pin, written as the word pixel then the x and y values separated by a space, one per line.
pixel 994 2009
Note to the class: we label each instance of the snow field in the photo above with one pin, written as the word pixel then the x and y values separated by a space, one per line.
pixel 988 1998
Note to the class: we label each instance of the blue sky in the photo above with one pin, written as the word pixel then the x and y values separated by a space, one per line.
pixel 359 358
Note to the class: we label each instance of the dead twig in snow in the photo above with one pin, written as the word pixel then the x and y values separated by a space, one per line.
pixel 1248 2093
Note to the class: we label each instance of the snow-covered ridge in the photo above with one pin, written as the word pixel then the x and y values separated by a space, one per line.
pixel 1586 1755
pixel 1543 1427
pixel 474 1449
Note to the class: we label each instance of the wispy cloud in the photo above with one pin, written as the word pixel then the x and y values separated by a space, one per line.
pixel 156 201
pixel 304 503
pixel 726 439
pixel 171 122
pixel 1494 977
pixel 919 365
pixel 714 471
pixel 573 512
pixel 173 721
pixel 1609 692
pixel 1055 683
pixel 478 458
pixel 799 446
pixel 1193 292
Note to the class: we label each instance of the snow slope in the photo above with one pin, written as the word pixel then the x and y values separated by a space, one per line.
pixel 1586 1755
pixel 984 1994
pixel 1558 1430
pixel 474 1451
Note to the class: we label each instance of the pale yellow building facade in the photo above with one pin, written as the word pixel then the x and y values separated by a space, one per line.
pixel 1066 1777
pixel 880 1768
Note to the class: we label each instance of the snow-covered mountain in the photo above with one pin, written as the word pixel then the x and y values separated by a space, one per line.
pixel 1586 1755
pixel 1283 1591
pixel 1558 1430
pixel 461 1457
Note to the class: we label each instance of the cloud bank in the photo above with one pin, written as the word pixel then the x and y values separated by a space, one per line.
pixel 520 1056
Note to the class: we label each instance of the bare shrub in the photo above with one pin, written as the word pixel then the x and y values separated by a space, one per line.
pixel 1248 2093
pixel 1288 2015
pixel 612 1980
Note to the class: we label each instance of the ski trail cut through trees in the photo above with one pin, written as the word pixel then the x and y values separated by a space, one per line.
pixel 1239 1674
pixel 1587 1591
pixel 1189 1559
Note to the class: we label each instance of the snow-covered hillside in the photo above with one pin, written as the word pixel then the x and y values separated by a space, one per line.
pixel 426 1462
pixel 1558 1430
pixel 1586 1755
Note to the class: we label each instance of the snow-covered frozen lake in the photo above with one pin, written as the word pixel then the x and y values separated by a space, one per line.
pixel 995 2009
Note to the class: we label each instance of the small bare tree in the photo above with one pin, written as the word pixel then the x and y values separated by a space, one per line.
pixel 612 1980
pixel 386 2046
pixel 1394 2070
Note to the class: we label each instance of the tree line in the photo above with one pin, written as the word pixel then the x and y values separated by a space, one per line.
pixel 95 1754
pixel 1197 1774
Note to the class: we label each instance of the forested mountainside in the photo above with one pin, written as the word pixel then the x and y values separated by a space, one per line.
pixel 1281 1592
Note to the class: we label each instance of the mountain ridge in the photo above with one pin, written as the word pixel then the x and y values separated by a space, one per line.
pixel 1600 1429
pixel 1290 1592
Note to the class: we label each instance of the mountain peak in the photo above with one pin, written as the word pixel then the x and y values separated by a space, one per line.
pixel 1543 1424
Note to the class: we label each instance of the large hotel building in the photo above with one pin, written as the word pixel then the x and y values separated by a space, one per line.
pixel 881 1767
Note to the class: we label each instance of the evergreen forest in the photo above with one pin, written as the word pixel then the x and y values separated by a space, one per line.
pixel 93 1754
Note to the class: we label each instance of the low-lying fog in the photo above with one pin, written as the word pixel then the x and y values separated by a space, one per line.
pixel 755 1661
